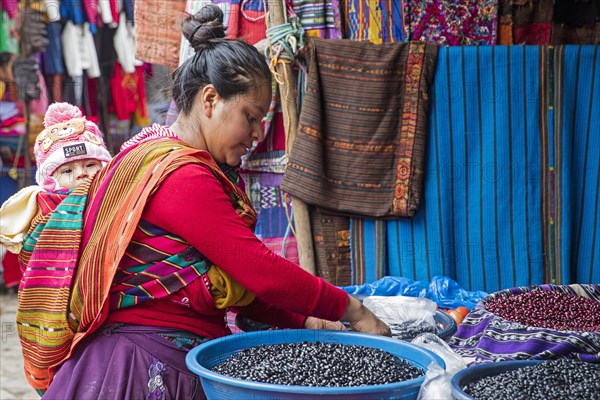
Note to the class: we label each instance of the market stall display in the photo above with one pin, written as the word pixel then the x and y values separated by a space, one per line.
pixel 536 380
pixel 203 358
pixel 534 322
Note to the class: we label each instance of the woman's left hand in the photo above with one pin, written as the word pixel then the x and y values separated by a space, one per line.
pixel 318 323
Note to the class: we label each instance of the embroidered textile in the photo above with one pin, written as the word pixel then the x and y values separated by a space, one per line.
pixel 381 123
pixel 156 27
pixel 452 23
pixel 374 21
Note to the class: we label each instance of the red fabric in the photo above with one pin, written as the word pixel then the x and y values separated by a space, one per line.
pixel 92 89
pixel 124 90
pixel 193 194
pixel 12 273
pixel 48 201
pixel 91 10
pixel 536 33
pixel 114 9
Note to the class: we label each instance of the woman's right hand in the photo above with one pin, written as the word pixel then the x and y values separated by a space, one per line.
pixel 362 319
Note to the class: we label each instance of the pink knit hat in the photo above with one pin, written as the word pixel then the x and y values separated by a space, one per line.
pixel 68 137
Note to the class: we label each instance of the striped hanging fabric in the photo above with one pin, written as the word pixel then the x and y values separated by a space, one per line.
pixel 577 144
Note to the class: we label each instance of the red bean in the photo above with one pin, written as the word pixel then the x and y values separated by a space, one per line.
pixel 545 309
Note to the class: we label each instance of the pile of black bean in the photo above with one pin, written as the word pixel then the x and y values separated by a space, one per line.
pixel 318 364
pixel 546 309
pixel 550 380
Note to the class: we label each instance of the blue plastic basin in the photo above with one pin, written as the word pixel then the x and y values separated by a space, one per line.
pixel 216 386
pixel 468 375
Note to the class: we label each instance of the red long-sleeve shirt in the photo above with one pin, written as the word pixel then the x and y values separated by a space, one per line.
pixel 191 204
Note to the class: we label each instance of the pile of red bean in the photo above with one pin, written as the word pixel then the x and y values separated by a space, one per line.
pixel 546 309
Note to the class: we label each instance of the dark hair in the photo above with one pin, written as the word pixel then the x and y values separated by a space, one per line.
pixel 231 66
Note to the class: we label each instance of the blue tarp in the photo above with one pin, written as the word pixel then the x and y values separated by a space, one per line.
pixel 443 290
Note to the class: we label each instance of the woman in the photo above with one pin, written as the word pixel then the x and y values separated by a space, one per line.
pixel 168 240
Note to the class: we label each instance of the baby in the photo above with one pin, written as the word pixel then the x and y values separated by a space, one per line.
pixel 67 152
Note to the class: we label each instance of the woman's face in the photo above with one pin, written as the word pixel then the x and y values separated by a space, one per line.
pixel 235 123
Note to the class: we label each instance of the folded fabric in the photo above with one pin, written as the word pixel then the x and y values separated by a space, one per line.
pixel 361 138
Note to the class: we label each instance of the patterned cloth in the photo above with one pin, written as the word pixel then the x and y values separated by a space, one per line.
pixel 150 269
pixel 451 23
pixel 341 131
pixel 483 220
pixel 147 361
pixel 374 21
pixel 117 194
pixel 274 222
pixel 157 35
pixel 48 260
pixel 368 249
pixel 319 18
pixel 524 22
pixel 514 201
pixel 331 237
pixel 484 337
pixel 577 152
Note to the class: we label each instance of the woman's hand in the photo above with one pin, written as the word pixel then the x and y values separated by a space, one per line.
pixel 362 319
pixel 318 323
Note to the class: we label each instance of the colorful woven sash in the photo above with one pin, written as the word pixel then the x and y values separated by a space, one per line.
pixel 73 303
pixel 50 256
pixel 150 270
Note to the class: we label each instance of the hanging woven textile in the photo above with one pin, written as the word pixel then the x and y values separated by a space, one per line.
pixel 157 34
pixel 361 137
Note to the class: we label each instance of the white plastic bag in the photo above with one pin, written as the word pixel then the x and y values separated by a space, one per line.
pixel 437 384
pixel 406 316
pixel 454 362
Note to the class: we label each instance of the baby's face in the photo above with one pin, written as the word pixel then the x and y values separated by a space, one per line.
pixel 71 174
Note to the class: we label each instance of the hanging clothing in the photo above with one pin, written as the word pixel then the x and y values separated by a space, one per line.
pixel 53 56
pixel 157 41
pixel 377 22
pixel 128 94
pixel 319 18
pixel 452 23
pixel 365 104
pixel 79 51
pixel 125 46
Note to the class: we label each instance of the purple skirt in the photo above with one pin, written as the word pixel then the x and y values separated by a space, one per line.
pixel 126 362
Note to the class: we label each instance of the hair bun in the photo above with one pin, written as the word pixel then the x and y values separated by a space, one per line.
pixel 204 27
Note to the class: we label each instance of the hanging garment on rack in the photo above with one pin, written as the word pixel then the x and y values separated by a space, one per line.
pixel 331 238
pixel 274 224
pixel 511 193
pixel 319 18
pixel 125 46
pixel 11 7
pixel 452 23
pixel 158 38
pixel 524 22
pixel 53 56
pixel 8 43
pixel 52 10
pixel 361 138
pixel 72 10
pixel 79 50
pixel 377 22
pixel 128 93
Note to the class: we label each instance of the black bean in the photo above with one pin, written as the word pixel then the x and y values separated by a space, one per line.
pixel 318 364
pixel 550 380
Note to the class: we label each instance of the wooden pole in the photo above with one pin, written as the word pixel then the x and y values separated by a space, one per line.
pixel 290 119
